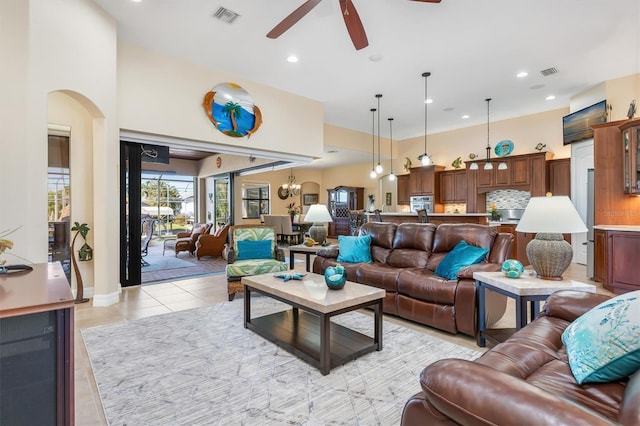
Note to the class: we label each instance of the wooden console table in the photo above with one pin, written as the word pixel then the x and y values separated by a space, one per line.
pixel 36 337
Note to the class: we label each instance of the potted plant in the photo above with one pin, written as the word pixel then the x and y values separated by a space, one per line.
pixel 84 254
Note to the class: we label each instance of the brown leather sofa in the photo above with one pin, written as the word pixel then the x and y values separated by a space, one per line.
pixel 405 257
pixel 525 380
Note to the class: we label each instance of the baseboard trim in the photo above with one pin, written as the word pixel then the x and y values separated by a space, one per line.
pixel 107 299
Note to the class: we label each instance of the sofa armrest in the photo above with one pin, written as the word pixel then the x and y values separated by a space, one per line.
pixel 471 393
pixel 570 304
pixel 468 271
pixel 183 234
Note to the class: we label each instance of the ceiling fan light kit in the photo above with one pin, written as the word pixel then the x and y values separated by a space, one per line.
pixel 349 14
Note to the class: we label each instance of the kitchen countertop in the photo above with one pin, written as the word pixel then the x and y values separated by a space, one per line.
pixel 502 222
pixel 430 214
pixel 630 228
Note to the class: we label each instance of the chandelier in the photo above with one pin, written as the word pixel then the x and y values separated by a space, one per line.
pixel 291 188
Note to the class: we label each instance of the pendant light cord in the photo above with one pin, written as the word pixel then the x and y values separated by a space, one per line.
pixel 378 96
pixel 425 75
pixel 373 137
pixel 391 143
pixel 488 145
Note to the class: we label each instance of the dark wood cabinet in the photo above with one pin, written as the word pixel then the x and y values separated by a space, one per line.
pixel 36 348
pixel 453 186
pixel 525 172
pixel 631 156
pixel 520 170
pixel 600 256
pixel 340 200
pixel 422 180
pixel 559 176
pixel 616 254
pixel 404 197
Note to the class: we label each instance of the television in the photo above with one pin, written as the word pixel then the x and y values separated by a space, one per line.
pixel 577 126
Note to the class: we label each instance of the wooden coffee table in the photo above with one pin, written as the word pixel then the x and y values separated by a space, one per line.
pixel 310 335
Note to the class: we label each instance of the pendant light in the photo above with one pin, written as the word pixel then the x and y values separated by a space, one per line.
pixel 392 177
pixel 379 168
pixel 373 173
pixel 488 165
pixel 424 158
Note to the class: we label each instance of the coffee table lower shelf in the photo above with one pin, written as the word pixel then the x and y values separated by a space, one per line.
pixel 298 332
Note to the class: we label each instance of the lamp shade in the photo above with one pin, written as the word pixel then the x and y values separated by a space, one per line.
pixel 551 215
pixel 318 213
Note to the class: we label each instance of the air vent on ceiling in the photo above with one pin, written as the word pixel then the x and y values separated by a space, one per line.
pixel 549 71
pixel 225 15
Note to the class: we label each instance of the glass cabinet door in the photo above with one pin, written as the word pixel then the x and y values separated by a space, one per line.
pixel 626 142
pixel 636 162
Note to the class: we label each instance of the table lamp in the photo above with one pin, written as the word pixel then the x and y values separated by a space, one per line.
pixel 319 215
pixel 550 217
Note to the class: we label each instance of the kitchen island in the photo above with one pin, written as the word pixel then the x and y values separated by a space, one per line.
pixel 435 218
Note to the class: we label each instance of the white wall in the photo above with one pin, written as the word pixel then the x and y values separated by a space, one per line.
pixel 161 95
pixel 47 46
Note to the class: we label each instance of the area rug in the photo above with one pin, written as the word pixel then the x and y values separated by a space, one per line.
pixel 202 367
pixel 157 263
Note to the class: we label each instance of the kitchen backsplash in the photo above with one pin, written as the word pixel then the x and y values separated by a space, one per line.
pixel 455 208
pixel 508 199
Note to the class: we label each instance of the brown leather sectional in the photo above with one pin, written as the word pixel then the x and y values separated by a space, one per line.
pixel 405 257
pixel 525 380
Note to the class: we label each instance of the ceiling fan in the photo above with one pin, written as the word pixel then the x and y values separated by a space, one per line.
pixel 349 14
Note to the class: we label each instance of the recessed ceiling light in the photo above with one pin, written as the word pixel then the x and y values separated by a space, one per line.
pixel 376 57
pixel 465 116
pixel 136 1
pixel 292 58
pixel 522 74
pixel 428 101
pixel 549 98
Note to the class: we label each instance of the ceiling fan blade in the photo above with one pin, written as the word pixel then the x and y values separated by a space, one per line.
pixel 354 24
pixel 293 18
pixel 428 1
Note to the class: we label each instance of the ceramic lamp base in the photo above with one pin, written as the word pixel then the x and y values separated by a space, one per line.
pixel 318 232
pixel 549 255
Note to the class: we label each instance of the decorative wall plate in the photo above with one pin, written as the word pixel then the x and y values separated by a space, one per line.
pixel 232 111
pixel 503 148
pixel 283 193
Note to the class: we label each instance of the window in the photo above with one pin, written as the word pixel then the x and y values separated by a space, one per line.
pixel 255 200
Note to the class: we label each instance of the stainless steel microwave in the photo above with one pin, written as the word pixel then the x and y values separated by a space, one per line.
pixel 422 202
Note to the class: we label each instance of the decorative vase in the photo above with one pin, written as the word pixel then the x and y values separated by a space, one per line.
pixel 335 277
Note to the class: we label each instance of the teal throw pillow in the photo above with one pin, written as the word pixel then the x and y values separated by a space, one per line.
pixel 254 250
pixel 354 249
pixel 603 345
pixel 461 256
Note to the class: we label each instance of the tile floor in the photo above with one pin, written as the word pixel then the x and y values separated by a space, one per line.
pixel 143 301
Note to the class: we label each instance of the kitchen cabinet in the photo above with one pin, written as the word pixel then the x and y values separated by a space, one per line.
pixel 600 256
pixel 403 190
pixel 559 177
pixel 525 172
pixel 494 178
pixel 520 170
pixel 422 180
pixel 453 186
pixel 620 249
pixel 340 200
pixel 631 156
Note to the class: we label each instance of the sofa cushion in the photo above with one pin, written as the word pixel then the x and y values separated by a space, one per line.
pixel 462 255
pixel 412 245
pixel 354 249
pixel 254 250
pixel 603 345
pixel 447 235
pixel 422 284
pixel 243 268
pixel 378 275
pixel 382 234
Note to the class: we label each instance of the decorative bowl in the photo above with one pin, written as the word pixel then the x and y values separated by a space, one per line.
pixel 335 277
pixel 512 268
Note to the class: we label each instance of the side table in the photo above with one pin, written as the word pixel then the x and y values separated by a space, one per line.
pixel 527 290
pixel 301 248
